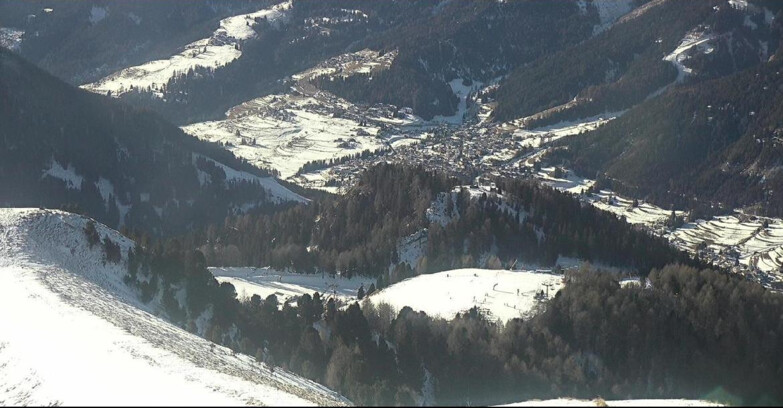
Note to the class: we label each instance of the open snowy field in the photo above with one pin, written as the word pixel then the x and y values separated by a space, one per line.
pixel 286 285
pixel 547 134
pixel 74 334
pixel 285 132
pixel 503 294
pixel 365 61
pixel 218 50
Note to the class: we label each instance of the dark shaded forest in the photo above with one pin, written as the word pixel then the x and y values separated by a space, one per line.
pixel 121 162
pixel 359 233
pixel 611 71
pixel 456 33
pixel 710 144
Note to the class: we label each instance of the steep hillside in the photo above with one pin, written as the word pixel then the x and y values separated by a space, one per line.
pixel 85 40
pixel 75 310
pixel 659 45
pixel 125 167
pixel 717 140
pixel 437 43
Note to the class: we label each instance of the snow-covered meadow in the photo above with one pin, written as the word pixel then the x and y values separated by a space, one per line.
pixel 285 132
pixel 249 281
pixel 501 294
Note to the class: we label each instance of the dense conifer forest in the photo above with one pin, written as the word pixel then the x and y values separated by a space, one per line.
pixel 359 233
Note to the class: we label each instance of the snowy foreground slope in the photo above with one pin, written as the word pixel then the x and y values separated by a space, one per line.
pixel 569 402
pixel 72 333
pixel 502 294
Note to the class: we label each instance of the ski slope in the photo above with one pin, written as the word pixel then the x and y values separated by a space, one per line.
pixel 220 49
pixel 249 281
pixel 73 334
pixel 502 294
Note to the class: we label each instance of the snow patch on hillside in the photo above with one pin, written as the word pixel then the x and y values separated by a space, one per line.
pixel 67 174
pixel 97 14
pixel 278 193
pixel 610 11
pixel 216 51
pixel 501 294
pixel 11 38
pixel 365 61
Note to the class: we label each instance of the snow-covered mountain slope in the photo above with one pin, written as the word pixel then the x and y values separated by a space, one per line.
pixel 73 333
pixel 218 50
pixel 250 281
pixel 502 294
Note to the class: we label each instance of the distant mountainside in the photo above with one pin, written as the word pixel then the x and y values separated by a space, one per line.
pixel 695 87
pixel 125 167
pixel 660 44
pixel 82 41
pixel 714 141
pixel 437 43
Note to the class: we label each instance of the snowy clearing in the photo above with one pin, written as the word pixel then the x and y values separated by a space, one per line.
pixel 85 339
pixel 216 51
pixel 365 61
pixel 286 285
pixel 502 294
pixel 67 174
pixel 547 134
pixel 697 39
